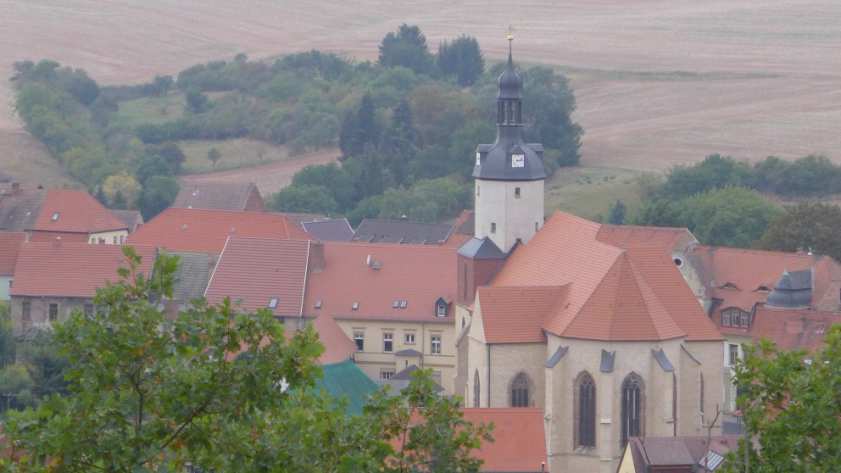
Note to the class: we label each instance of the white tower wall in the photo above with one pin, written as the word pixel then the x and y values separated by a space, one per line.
pixel 496 202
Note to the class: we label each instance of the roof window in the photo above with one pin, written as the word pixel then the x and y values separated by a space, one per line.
pixel 355 306
pixel 273 303
pixel 318 304
pixel 54 217
pixel 404 303
pixel 395 304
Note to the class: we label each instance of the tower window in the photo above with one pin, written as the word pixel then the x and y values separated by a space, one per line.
pixel 493 227
pixel 516 192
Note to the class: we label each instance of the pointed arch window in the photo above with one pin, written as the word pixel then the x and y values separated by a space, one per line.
pixel 585 411
pixel 520 391
pixel 632 407
pixel 477 390
pixel 701 389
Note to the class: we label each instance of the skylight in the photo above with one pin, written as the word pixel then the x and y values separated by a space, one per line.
pixel 395 304
pixel 54 218
pixel 318 304
pixel 355 306
pixel 273 303
pixel 404 303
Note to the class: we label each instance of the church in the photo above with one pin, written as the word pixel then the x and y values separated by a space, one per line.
pixel 594 324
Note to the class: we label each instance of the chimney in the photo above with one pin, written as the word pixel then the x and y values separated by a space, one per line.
pixel 316 256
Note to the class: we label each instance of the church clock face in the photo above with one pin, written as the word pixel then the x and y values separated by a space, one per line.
pixel 518 160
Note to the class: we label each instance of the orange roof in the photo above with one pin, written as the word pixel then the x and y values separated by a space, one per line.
pixel 519 440
pixel 515 314
pixel 205 231
pixel 337 346
pixel 622 283
pixel 9 247
pixel 71 269
pixel 73 211
pixel 793 329
pixel 259 273
pixel 417 274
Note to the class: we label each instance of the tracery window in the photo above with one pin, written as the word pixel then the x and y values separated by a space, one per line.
pixel 632 407
pixel 585 415
pixel 520 391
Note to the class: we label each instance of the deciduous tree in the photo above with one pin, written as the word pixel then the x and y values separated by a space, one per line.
pixel 814 227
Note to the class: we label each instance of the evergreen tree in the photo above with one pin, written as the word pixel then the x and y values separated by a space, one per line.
pixel 359 129
pixel 400 144
pixel 406 48
pixel 617 213
pixel 462 58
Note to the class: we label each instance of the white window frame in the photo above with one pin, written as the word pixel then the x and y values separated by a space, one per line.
pixel 409 338
pixel 388 337
pixel 435 343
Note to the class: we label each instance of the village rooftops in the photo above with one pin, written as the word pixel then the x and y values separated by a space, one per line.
pixel 372 230
pixel 74 211
pixel 219 196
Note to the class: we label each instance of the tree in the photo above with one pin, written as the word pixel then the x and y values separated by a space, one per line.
pixel 162 84
pixel 338 183
pixel 806 226
pixel 158 193
pixel 399 144
pixel 197 102
pixel 359 129
pixel 462 58
pixel 214 155
pixel 733 216
pixel 792 408
pixel 617 213
pixel 407 47
pixel 304 198
pixel 124 186
pixel 548 104
pixel 714 172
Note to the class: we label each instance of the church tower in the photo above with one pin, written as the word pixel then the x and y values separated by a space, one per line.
pixel 509 173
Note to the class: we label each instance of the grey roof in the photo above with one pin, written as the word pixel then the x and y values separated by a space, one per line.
pixel 556 357
pixel 794 289
pixel 405 374
pixel 192 276
pixel 481 248
pixel 132 218
pixel 408 352
pixel 608 358
pixel 19 208
pixel 329 229
pixel 663 360
pixel 667 451
pixel 215 195
pixel 402 379
pixel 402 231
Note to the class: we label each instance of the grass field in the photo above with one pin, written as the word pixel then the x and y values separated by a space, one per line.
pixel 590 191
pixel 237 153
pixel 151 110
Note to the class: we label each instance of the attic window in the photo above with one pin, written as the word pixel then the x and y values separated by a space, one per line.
pixel 355 306
pixel 54 217
pixel 318 304
pixel 404 303
pixel 273 303
pixel 441 310
pixel 763 288
pixel 395 304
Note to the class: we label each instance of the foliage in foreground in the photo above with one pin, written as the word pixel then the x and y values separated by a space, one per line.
pixel 221 391
pixel 791 403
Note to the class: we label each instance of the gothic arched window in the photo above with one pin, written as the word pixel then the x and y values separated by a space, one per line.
pixel 477 390
pixel 632 407
pixel 585 411
pixel 520 391
pixel 701 389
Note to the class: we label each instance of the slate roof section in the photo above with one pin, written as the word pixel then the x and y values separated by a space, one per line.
pixel 192 276
pixel 10 243
pixel 519 439
pixel 219 196
pixel 329 229
pixel 131 218
pixel 344 380
pixel 257 273
pixel 206 231
pixel 74 211
pixel 794 289
pixel 631 292
pixel 417 274
pixel 19 208
pixel 408 352
pixel 516 314
pixel 679 454
pixel 482 249
pixel 65 269
pixel 372 230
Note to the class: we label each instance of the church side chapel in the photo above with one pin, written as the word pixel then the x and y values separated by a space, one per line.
pixel 592 323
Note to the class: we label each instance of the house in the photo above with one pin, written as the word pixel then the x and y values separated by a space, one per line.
pixel 132 218
pixel 219 196
pixel 19 206
pixel 676 454
pixel 206 231
pixel 73 215
pixel 10 243
pixel 54 278
pixel 519 444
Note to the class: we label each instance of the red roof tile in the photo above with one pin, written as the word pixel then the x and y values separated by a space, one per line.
pixel 337 346
pixel 205 231
pixel 519 439
pixel 9 247
pixel 71 269
pixel 73 211
pixel 417 274
pixel 516 314
pixel 633 236
pixel 793 329
pixel 254 272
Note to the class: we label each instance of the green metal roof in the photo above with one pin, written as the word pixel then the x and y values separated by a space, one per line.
pixel 346 380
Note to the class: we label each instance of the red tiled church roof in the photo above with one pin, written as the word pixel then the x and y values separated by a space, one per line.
pixel 515 314
pixel 73 211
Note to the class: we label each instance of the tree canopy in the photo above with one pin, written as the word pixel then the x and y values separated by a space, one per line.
pixel 807 226
pixel 407 48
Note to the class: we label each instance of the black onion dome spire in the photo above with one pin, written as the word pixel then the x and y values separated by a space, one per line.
pixel 509 158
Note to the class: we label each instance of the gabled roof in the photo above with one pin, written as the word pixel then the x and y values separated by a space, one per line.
pixel 481 248
pixel 792 329
pixel 373 230
pixel 337 346
pixel 344 380
pixel 74 211
pixel 218 196
pixel 329 229
pixel 375 276
pixel 205 231
pixel 192 276
pixel 258 273
pixel 515 314
pixel 616 293
pixel 19 208
pixel 519 439
pixel 71 269
pixel 10 243
pixel 633 236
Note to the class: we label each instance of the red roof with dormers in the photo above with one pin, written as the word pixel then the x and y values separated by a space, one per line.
pixel 64 269
pixel 74 211
pixel 206 231
pixel 622 283
pixel 10 243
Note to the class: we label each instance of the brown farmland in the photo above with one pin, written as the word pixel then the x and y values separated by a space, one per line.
pixel 657 82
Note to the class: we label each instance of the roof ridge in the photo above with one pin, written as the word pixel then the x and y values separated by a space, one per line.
pixel 643 285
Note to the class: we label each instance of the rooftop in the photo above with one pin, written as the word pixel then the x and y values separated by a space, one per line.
pixel 10 243
pixel 519 439
pixel 329 229
pixel 74 211
pixel 219 196
pixel 374 230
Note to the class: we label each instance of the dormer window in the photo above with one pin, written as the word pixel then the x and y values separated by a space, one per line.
pixel 518 160
pixel 355 306
pixel 441 307
pixel 318 304
pixel 404 303
pixel 54 217
pixel 395 304
pixel 273 303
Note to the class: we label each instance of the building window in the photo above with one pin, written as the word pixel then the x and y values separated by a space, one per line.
pixel 735 317
pixel 436 344
pixel 733 354
pixel 114 239
pixel 386 373
pixel 520 391
pixel 632 405
pixel 516 192
pixel 26 308
pixel 409 338
pixel 701 392
pixel 88 310
pixel 478 189
pixel 585 416
pixel 493 227
pixel 441 309
pixel 53 314
pixel 477 389
pixel 102 241
pixel 388 342
pixel 359 338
